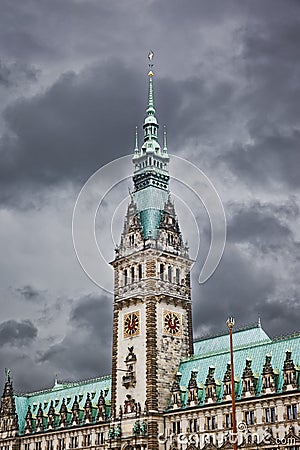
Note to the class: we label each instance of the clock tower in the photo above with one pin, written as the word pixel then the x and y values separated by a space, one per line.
pixel 152 294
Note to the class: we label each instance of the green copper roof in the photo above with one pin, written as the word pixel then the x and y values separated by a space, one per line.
pixel 150 204
pixel 62 391
pixel 247 336
pixel 150 220
pixel 252 343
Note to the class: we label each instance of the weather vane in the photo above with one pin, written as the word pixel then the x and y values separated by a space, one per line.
pixel 150 57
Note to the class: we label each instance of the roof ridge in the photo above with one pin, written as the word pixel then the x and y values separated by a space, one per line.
pixel 283 337
pixel 62 385
pixel 225 332
pixel 227 350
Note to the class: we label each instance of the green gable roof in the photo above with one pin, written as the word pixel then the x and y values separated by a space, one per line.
pixel 241 337
pixel 252 343
pixel 61 391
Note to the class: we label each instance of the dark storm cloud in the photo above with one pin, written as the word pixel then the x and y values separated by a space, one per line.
pixel 259 225
pixel 84 120
pixel 85 351
pixel 236 289
pixel 29 293
pixel 257 275
pixel 15 73
pixel 68 132
pixel 17 333
pixel 270 102
pixel 271 158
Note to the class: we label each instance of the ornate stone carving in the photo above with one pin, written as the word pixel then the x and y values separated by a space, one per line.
pixel 88 411
pixel 63 414
pixel 75 412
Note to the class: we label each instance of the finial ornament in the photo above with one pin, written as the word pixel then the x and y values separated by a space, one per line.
pixel 150 57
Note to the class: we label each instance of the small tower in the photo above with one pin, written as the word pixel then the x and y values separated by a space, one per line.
pixel 8 416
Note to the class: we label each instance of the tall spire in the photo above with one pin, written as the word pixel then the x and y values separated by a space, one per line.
pixel 150 123
pixel 150 110
pixel 165 148
pixel 136 148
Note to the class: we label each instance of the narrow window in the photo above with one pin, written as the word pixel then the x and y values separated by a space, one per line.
pixel 125 277
pixel 169 274
pixel 295 412
pixel 132 274
pixel 140 272
pixel 177 276
pixel 208 423
pixel 195 425
pixel 228 420
pixel 161 272
pixel 273 414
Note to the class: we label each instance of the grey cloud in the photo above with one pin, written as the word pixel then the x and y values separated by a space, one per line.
pixel 68 132
pixel 11 75
pixel 269 159
pixel 17 333
pixel 29 293
pixel 85 350
pixel 257 224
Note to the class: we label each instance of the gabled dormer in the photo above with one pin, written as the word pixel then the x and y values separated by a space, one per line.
pixel 248 389
pixel 193 389
pixel 176 392
pixel 289 373
pixel 210 386
pixel 268 377
pixel 227 383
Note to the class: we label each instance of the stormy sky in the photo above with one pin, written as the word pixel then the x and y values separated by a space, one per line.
pixel 73 86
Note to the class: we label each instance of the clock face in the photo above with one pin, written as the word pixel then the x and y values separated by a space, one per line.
pixel 172 323
pixel 131 324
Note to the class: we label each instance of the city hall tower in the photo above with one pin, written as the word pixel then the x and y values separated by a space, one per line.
pixel 152 293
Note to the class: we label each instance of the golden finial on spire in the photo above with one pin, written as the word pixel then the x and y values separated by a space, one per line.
pixel 150 57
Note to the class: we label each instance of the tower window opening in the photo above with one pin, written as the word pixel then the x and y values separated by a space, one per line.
pixel 169 274
pixel 140 272
pixel 125 277
pixel 132 274
pixel 177 276
pixel 161 272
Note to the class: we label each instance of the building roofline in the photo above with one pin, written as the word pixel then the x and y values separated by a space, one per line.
pixel 225 332
pixel 62 385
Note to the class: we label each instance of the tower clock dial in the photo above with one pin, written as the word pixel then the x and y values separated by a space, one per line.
pixel 131 324
pixel 172 323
